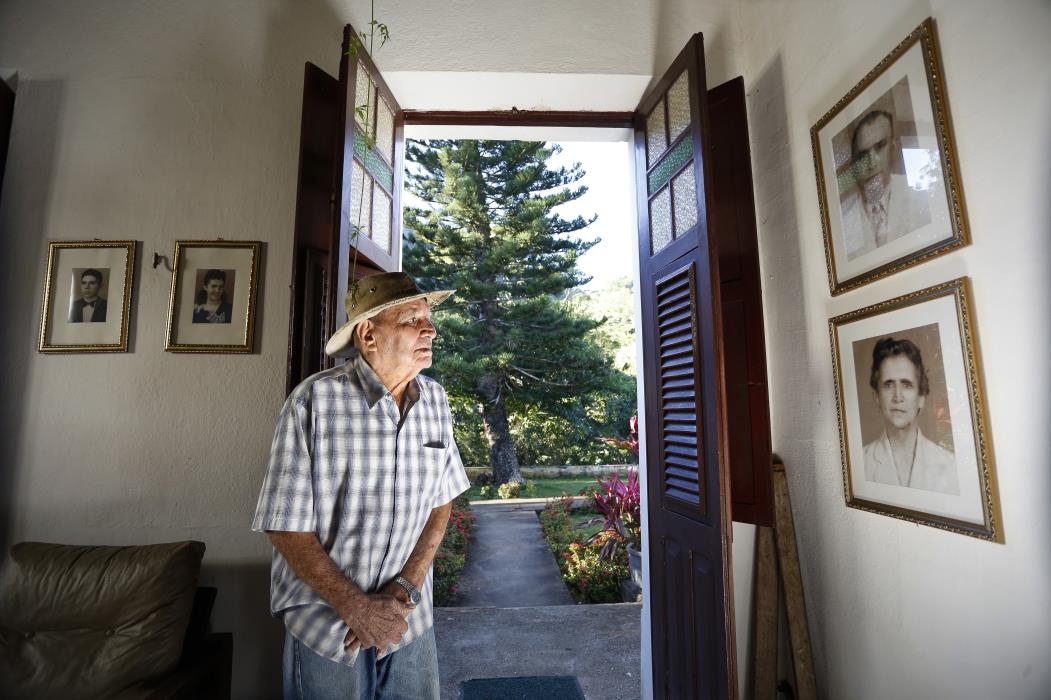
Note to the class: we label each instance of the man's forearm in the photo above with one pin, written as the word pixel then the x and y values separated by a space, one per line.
pixel 419 562
pixel 314 567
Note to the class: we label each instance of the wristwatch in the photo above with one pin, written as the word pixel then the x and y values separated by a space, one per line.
pixel 414 593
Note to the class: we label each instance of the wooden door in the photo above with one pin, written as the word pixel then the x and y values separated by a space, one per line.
pixel 372 166
pixel 310 315
pixel 688 541
pixel 348 201
pixel 732 219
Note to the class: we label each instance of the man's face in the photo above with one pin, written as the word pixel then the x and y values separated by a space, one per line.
pixel 898 395
pixel 403 336
pixel 89 287
pixel 214 289
pixel 873 143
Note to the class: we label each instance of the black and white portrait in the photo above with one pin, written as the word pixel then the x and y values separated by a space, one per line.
pixel 903 407
pixel 885 183
pixel 88 289
pixel 213 300
pixel 887 177
pixel 87 296
pixel 910 411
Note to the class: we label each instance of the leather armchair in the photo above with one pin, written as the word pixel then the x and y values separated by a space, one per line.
pixel 98 621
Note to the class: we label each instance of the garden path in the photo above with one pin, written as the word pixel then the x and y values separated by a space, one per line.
pixel 509 564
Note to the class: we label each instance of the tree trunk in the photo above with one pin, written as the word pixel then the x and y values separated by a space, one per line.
pixel 498 433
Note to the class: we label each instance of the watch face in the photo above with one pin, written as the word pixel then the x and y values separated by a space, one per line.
pixel 414 596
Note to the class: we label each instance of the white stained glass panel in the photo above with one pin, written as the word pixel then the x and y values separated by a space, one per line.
pixel 656 138
pixel 364 94
pixel 684 195
pixel 385 130
pixel 381 219
pixel 660 220
pixel 679 106
pixel 360 198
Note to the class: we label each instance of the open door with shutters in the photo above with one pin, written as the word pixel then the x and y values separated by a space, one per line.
pixel 351 149
pixel 689 534
pixel 372 166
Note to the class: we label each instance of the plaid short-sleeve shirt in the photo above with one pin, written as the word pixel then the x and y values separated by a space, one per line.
pixel 345 465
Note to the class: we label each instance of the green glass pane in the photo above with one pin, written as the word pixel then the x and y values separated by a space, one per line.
pixel 660 221
pixel 684 198
pixel 671 163
pixel 373 162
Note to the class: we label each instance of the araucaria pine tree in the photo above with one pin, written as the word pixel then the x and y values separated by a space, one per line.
pixel 506 339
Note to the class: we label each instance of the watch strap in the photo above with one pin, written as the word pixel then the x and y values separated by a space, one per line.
pixel 414 593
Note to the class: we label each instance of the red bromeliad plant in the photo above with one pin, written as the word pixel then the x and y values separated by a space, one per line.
pixel 618 501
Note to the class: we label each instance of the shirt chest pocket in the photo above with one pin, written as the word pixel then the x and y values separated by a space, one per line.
pixel 432 466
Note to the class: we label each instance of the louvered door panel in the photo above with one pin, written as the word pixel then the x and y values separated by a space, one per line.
pixel 687 526
pixel 677 332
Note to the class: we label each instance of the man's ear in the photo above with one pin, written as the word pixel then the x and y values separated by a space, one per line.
pixel 366 339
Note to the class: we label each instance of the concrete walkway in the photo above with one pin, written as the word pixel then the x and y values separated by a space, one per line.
pixel 599 644
pixel 514 616
pixel 509 564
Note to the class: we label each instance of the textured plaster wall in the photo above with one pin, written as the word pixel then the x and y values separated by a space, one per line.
pixel 153 122
pixel 899 610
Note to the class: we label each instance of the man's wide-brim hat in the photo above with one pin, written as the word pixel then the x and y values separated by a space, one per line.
pixel 371 295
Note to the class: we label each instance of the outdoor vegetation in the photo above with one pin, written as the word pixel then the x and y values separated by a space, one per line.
pixel 452 552
pixel 590 543
pixel 537 369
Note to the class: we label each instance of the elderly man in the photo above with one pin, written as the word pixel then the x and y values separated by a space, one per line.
pixel 885 208
pixel 902 455
pixel 356 499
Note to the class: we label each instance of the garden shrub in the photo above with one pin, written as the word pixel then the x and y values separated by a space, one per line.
pixel 510 490
pixel 589 577
pixel 452 552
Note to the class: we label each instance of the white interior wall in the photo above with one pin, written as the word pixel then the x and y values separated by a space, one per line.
pixel 899 610
pixel 153 122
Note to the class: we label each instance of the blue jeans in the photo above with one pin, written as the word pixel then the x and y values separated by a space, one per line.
pixel 410 673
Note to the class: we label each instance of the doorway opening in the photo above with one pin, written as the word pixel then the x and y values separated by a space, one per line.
pixel 548 309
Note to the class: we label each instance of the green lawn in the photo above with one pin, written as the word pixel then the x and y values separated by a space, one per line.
pixel 548 488
pixel 586 515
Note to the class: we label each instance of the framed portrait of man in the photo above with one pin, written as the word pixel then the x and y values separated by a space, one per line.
pixel 887 173
pixel 212 304
pixel 87 296
pixel 912 417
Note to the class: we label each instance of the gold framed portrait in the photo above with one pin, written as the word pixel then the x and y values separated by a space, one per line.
pixel 87 296
pixel 913 423
pixel 887 170
pixel 213 296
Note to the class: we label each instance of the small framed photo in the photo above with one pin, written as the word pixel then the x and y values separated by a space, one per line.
pixel 887 174
pixel 212 305
pixel 87 296
pixel 912 419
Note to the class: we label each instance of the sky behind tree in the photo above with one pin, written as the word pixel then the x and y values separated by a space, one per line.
pixel 609 195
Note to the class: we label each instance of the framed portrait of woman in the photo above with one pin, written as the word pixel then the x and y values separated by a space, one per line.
pixel 912 416
pixel 213 295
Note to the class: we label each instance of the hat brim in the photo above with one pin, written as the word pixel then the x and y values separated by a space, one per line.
pixel 339 344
